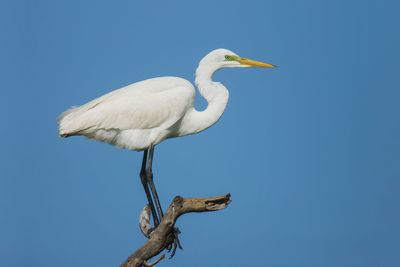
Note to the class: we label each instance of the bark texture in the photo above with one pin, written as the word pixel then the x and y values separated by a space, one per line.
pixel 163 236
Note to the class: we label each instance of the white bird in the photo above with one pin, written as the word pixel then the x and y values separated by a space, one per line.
pixel 143 114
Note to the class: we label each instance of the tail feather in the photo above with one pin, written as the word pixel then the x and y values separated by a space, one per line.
pixel 65 135
pixel 65 122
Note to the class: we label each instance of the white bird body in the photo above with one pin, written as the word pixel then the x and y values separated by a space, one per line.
pixel 147 112
pixel 135 116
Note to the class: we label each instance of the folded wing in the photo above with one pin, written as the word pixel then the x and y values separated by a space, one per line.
pixel 154 103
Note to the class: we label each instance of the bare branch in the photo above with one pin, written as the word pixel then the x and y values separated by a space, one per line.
pixel 163 236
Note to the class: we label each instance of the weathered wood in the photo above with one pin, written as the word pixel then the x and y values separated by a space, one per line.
pixel 163 236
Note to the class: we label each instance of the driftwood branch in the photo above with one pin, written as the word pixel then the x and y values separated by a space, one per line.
pixel 162 237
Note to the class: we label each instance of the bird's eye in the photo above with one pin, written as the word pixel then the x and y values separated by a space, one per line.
pixel 227 57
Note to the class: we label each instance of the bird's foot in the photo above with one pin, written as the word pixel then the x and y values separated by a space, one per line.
pixel 146 228
pixel 175 243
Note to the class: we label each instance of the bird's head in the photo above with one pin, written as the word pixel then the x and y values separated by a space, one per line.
pixel 224 58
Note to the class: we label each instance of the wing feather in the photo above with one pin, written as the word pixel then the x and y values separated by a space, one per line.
pixel 153 103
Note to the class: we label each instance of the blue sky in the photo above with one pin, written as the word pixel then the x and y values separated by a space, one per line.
pixel 309 151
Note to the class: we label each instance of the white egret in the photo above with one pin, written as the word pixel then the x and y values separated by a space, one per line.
pixel 141 115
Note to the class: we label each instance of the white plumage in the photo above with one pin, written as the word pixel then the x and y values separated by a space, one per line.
pixel 147 112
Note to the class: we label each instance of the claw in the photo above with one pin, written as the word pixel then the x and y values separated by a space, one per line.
pixel 147 264
pixel 146 228
pixel 176 243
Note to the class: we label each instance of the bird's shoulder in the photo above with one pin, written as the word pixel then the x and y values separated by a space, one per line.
pixel 149 88
pixel 162 83
pixel 158 84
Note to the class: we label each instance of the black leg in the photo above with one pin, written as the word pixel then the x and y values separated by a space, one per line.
pixel 149 173
pixel 143 178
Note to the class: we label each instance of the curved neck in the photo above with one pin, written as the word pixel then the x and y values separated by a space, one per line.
pixel 217 98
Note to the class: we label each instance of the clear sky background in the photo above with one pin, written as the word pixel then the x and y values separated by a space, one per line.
pixel 310 151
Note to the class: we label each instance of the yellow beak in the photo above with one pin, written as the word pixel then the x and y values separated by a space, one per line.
pixel 254 63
